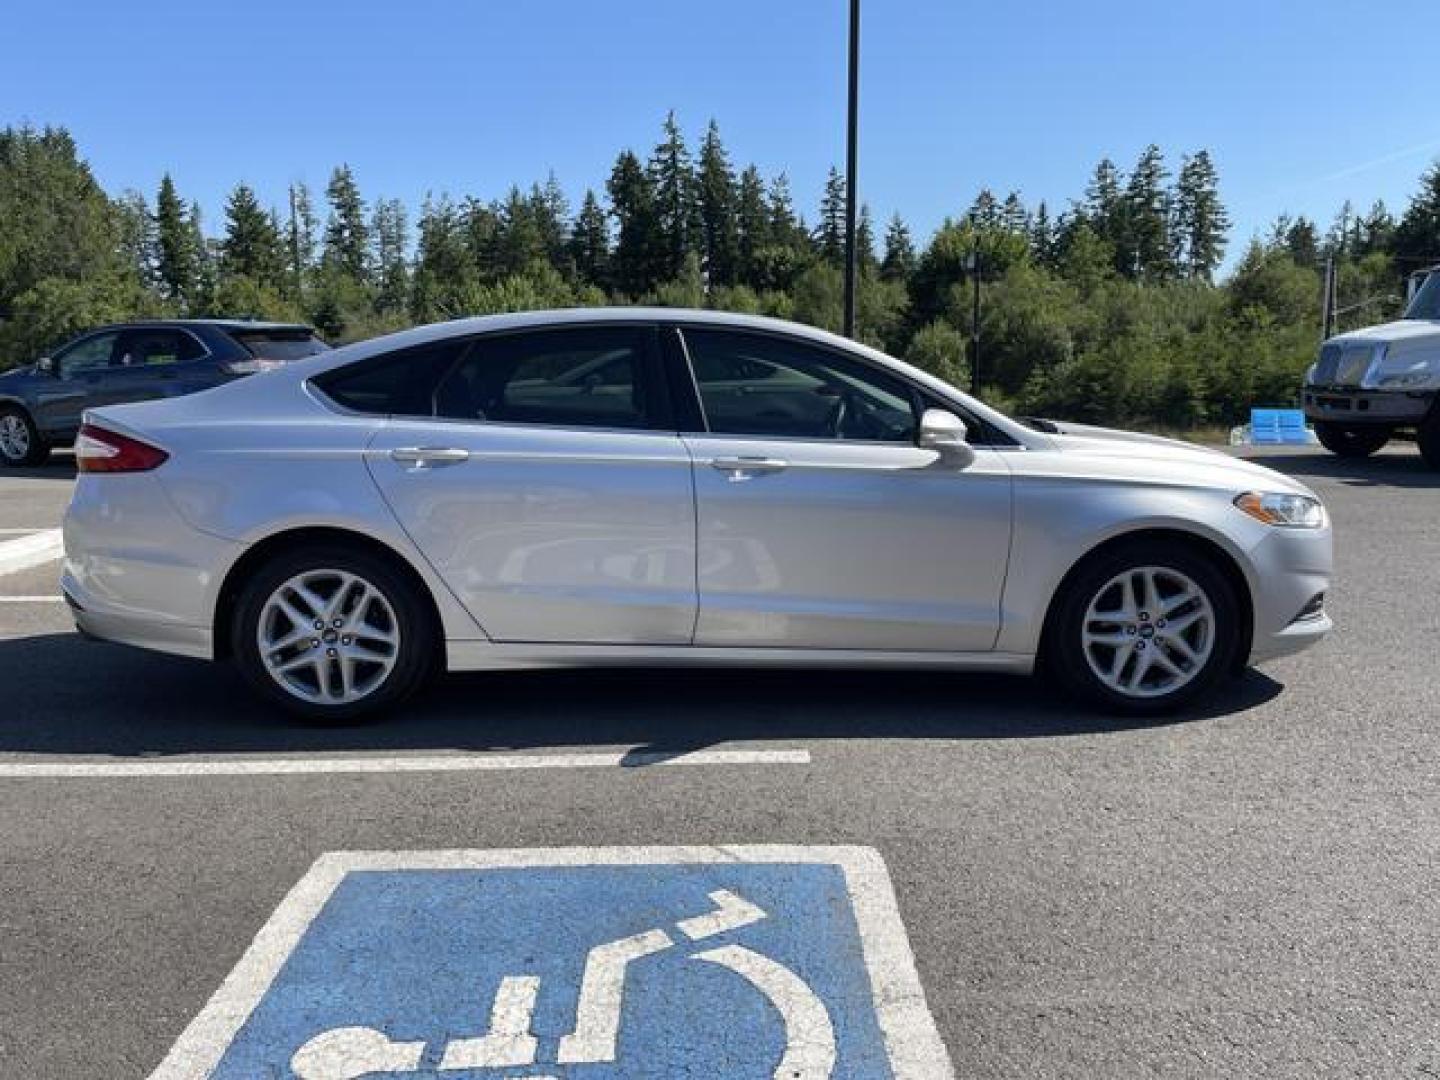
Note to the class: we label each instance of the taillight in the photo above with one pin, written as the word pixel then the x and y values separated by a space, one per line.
pixel 98 450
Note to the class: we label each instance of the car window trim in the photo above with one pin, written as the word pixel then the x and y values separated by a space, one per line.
pixel 920 396
pixel 652 368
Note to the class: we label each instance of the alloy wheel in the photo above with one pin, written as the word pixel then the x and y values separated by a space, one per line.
pixel 1148 632
pixel 14 437
pixel 328 637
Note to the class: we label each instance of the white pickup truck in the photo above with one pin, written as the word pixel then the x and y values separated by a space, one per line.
pixel 1371 385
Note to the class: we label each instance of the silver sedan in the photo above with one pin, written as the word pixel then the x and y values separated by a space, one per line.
pixel 646 487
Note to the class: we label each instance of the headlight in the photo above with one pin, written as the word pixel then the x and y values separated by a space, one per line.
pixel 1288 511
pixel 1406 379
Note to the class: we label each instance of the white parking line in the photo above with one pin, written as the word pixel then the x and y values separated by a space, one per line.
pixel 32 599
pixel 21 532
pixel 75 770
pixel 37 549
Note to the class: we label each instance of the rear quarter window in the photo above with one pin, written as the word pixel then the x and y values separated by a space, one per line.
pixel 396 384
pixel 280 345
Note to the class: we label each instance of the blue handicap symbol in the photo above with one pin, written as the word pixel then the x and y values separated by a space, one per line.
pixel 581 972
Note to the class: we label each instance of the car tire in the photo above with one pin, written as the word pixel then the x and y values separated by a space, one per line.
pixel 21 444
pixel 1109 648
pixel 375 647
pixel 1347 441
pixel 1428 438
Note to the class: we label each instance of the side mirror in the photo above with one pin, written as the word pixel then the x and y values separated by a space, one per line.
pixel 46 365
pixel 945 433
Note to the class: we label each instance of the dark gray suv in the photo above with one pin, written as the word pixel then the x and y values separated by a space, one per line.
pixel 41 405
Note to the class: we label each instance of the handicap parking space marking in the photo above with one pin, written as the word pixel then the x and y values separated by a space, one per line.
pixel 766 961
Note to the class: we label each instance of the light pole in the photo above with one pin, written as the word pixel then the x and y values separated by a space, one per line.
pixel 852 255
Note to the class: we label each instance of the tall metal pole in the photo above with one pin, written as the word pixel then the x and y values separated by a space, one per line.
pixel 852 253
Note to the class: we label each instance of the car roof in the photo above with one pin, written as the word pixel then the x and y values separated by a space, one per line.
pixel 227 325
pixel 557 317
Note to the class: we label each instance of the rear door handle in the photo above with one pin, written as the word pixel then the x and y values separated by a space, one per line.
pixel 743 468
pixel 425 456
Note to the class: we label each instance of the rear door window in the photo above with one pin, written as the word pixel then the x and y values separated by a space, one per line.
pixel 157 348
pixel 601 377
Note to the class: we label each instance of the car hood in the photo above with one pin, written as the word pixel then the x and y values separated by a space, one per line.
pixel 16 374
pixel 1123 455
pixel 1391 333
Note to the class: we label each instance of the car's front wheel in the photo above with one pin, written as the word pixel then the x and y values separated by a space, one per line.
pixel 333 635
pixel 1145 628
pixel 21 443
pixel 1344 440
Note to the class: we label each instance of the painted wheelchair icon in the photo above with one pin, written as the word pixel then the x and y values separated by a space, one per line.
pixel 352 1052
pixel 764 962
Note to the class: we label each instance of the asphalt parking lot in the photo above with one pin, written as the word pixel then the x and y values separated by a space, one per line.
pixel 1251 891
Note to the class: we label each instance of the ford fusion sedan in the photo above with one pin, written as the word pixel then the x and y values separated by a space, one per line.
pixel 650 487
pixel 41 405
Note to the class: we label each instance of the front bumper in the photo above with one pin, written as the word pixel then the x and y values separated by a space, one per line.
pixel 1354 406
pixel 1291 568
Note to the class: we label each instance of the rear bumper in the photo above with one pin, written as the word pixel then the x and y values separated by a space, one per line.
pixel 1360 407
pixel 135 572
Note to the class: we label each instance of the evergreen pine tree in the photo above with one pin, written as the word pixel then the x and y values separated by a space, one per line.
pixel 175 244
pixel 251 247
pixel 390 229
pixel 635 265
pixel 752 225
pixel 1042 236
pixel 830 232
pixel 719 239
pixel 677 210
pixel 865 239
pixel 300 238
pixel 1147 207
pixel 589 246
pixel 347 236
pixel 899 261
pixel 1200 222
pixel 1417 238
pixel 1104 211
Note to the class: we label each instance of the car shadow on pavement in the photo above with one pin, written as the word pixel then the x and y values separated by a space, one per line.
pixel 59 467
pixel 65 695
pixel 1402 469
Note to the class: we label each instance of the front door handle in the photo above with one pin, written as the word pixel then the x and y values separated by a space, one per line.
pixel 743 468
pixel 422 457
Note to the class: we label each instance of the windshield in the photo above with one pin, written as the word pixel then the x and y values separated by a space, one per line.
pixel 1426 304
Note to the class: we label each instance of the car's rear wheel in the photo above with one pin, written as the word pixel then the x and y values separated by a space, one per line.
pixel 1429 438
pixel 1348 441
pixel 1144 628
pixel 333 635
pixel 21 443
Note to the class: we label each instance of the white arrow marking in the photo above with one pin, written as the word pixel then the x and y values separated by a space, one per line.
pixel 731 912
pixel 809 1036
pixel 350 1052
pixel 509 1041
pixel 602 987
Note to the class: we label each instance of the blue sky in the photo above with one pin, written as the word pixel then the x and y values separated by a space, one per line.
pixel 1303 104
